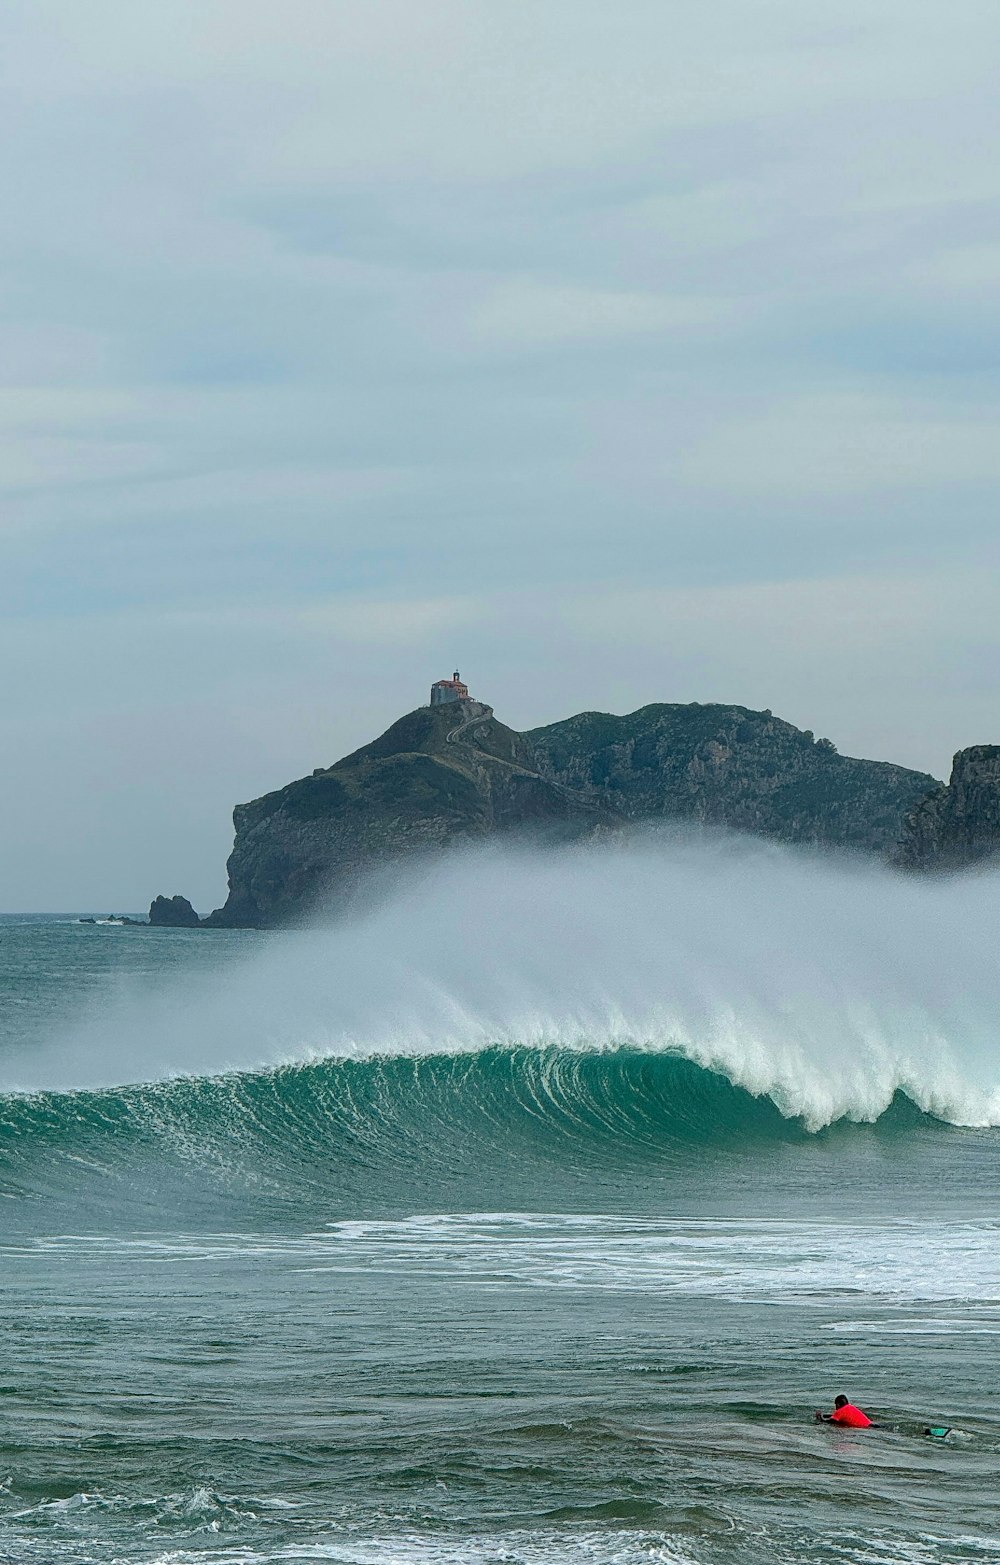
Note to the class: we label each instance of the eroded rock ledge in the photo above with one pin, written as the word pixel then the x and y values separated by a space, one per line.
pixel 958 825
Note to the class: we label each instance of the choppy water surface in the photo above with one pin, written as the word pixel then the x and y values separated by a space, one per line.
pixel 529 1229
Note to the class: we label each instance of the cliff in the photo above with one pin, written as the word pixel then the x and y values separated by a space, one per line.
pixel 451 774
pixel 439 776
pixel 729 766
pixel 958 825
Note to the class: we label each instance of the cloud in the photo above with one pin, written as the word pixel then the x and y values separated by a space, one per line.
pixel 340 343
pixel 521 312
pixel 849 444
pixel 960 269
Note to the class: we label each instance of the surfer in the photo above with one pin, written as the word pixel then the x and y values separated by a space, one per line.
pixel 846 1414
pixel 850 1417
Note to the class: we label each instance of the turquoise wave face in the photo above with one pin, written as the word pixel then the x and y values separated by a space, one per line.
pixel 826 986
pixel 396 1132
pixel 529 1225
pixel 700 1021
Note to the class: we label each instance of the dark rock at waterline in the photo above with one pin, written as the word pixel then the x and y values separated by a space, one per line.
pixel 957 825
pixel 452 774
pixel 173 913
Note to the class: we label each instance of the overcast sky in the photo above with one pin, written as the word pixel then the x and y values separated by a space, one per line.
pixel 610 353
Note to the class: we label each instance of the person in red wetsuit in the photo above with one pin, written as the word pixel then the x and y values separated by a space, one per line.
pixel 845 1413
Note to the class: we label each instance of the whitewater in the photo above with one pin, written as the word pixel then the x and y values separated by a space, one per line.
pixel 826 984
pixel 524 1214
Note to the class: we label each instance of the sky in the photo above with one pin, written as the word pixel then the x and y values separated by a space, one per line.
pixel 610 354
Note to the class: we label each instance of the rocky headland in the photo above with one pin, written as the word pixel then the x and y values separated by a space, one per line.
pixel 440 776
pixel 451 773
pixel 958 825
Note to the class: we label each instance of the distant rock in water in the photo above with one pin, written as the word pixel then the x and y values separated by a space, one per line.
pixel 959 825
pixel 450 773
pixel 173 913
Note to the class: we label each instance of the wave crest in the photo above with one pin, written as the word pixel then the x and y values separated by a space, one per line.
pixel 826 984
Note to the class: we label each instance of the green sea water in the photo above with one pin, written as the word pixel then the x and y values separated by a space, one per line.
pixel 475 1297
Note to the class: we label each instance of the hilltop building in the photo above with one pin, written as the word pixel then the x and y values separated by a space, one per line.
pixel 449 690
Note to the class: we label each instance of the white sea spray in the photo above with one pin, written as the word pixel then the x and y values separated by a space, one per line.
pixel 826 983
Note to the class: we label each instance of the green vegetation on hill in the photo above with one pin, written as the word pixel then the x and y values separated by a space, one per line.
pixel 730 766
pixel 418 788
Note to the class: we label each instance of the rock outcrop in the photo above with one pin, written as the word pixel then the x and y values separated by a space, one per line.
pixel 173 913
pixel 729 766
pixel 439 776
pixel 958 825
pixel 453 774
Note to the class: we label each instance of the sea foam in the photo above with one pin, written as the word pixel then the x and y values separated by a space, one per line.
pixel 824 983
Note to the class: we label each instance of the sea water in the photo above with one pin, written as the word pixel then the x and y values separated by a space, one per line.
pixel 524 1218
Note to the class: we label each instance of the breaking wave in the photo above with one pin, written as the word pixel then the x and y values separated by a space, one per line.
pixel 387 1132
pixel 585 1010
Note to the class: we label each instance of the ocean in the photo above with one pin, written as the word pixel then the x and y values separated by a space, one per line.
pixel 525 1217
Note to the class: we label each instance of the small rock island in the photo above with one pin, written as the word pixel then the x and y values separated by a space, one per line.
pixel 173 913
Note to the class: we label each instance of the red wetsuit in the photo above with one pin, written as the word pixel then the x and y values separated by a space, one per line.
pixel 852 1416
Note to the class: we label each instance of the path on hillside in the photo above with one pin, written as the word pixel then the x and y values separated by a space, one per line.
pixel 572 794
pixel 468 722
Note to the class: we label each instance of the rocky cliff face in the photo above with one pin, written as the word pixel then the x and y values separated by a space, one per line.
pixel 958 825
pixel 441 775
pixel 452 774
pixel 731 767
